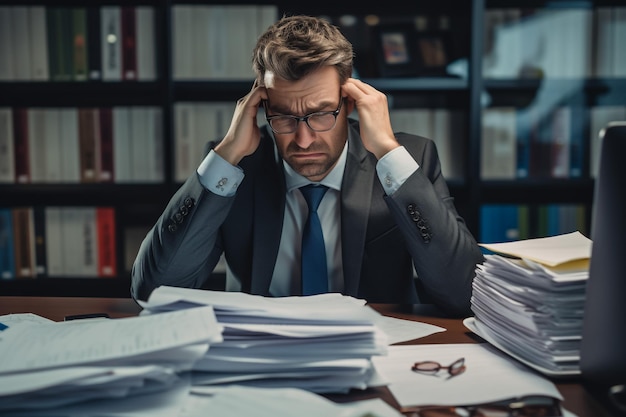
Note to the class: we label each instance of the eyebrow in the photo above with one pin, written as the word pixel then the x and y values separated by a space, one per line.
pixel 284 111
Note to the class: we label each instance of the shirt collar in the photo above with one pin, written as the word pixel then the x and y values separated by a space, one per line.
pixel 332 180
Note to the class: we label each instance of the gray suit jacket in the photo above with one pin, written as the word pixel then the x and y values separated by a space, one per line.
pixel 383 237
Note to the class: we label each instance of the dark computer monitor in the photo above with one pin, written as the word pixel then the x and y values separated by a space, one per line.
pixel 603 346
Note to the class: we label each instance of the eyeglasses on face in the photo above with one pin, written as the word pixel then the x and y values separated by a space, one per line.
pixel 537 406
pixel 431 367
pixel 319 121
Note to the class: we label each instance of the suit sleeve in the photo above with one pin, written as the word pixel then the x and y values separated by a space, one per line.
pixel 183 247
pixel 444 252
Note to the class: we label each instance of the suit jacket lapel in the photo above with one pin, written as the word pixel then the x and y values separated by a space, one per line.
pixel 268 207
pixel 356 197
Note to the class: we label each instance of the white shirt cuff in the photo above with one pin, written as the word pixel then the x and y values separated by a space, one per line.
pixel 219 176
pixel 394 168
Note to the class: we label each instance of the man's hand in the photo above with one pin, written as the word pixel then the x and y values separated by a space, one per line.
pixel 243 135
pixel 371 104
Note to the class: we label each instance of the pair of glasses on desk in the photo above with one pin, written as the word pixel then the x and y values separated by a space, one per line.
pixel 538 406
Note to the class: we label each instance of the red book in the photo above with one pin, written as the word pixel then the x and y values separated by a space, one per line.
pixel 107 265
pixel 129 43
pixel 20 142
pixel 106 144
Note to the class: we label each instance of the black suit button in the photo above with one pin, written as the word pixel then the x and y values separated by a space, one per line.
pixel 184 210
pixel 178 218
pixel 189 202
pixel 172 227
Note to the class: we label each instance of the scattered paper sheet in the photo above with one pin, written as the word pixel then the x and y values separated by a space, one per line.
pixel 490 376
pixel 27 348
pixel 284 402
pixel 12 320
pixel 400 330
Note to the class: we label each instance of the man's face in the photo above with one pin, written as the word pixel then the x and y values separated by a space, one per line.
pixel 311 154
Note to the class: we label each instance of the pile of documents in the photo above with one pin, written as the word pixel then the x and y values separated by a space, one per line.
pixel 528 300
pixel 47 364
pixel 322 343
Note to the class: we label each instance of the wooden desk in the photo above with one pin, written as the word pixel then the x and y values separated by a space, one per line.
pixel 577 399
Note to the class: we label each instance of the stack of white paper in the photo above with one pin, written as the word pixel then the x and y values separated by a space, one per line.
pixel 47 365
pixel 532 307
pixel 321 343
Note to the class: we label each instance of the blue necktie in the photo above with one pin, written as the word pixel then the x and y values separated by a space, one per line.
pixel 314 273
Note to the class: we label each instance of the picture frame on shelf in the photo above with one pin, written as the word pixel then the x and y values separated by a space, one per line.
pixel 395 50
pixel 433 49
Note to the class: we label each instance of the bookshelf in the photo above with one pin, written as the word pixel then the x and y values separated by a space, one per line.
pixel 454 99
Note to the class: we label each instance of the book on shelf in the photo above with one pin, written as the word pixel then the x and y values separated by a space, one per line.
pixel 7 152
pixel 54 149
pixel 7 255
pixel 111 42
pixel 24 242
pixel 619 62
pixel 71 231
pixel 609 35
pixel 94 55
pixel 88 141
pixel 63 38
pixel 560 156
pixel 498 143
pixel 80 44
pixel 107 157
pixel 145 43
pixel 20 145
pixel 139 145
pixel 448 136
pixel 107 257
pixel 38 43
pixel 577 141
pixel 55 242
pixel 499 223
pixel 146 146
pixel 70 157
pixel 21 43
pixel 79 249
pixel 37 144
pixel 7 73
pixel 122 167
pixel 129 43
pixel 39 233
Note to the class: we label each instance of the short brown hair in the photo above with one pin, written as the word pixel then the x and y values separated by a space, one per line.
pixel 295 46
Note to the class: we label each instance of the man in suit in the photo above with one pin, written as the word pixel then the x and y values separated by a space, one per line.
pixel 385 215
